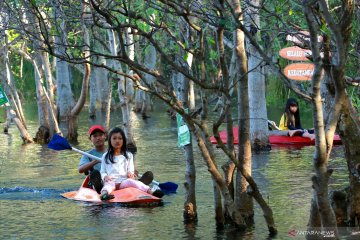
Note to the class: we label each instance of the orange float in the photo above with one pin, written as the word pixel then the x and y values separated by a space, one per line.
pixel 127 196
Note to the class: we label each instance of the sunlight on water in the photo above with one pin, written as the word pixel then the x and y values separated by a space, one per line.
pixel 32 177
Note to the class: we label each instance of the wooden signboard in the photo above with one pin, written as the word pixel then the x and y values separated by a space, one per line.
pixel 299 71
pixel 295 53
pixel 301 37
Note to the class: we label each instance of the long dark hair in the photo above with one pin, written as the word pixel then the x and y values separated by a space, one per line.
pixel 292 119
pixel 110 152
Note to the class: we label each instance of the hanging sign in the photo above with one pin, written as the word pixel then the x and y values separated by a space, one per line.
pixel 299 71
pixel 295 53
pixel 301 37
pixel 3 98
pixel 183 131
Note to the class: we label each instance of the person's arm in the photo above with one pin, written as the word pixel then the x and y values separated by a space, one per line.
pixel 131 167
pixel 103 168
pixel 86 167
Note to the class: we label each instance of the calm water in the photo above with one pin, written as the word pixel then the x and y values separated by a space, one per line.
pixel 32 177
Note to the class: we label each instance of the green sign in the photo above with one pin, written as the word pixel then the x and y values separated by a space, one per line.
pixel 183 131
pixel 3 98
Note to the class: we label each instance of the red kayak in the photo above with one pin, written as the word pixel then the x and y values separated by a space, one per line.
pixel 276 139
pixel 128 196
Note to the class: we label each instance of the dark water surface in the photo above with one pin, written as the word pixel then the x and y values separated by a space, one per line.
pixel 32 177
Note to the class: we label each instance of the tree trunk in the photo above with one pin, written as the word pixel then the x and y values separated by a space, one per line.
pixel 126 91
pixel 45 97
pixel 9 83
pixel 126 112
pixel 225 112
pixel 92 96
pixel 65 100
pixel 230 207
pixel 257 102
pixel 242 199
pixel 11 116
pixel 323 142
pixel 142 100
pixel 190 215
pixel 101 76
pixel 350 135
pixel 43 133
pixel 14 113
pixel 349 129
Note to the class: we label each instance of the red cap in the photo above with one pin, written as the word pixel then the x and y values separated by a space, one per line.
pixel 96 128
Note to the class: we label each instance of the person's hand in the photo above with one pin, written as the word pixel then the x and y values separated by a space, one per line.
pixel 107 179
pixel 131 175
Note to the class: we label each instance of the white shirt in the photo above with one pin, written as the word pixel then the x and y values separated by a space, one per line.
pixel 119 169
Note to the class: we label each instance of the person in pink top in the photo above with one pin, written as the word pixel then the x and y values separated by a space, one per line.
pixel 117 167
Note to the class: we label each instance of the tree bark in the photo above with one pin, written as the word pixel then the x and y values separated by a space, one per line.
pixel 243 200
pixel 182 92
pixel 11 117
pixel 126 90
pixel 142 100
pixel 350 135
pixel 256 76
pixel 321 156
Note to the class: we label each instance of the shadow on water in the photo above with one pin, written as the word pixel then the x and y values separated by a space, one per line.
pixel 32 177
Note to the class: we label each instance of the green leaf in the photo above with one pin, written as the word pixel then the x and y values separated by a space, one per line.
pixel 186 56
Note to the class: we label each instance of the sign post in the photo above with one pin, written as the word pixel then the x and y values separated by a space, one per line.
pixel 183 131
pixel 295 53
pixel 3 98
pixel 299 71
pixel 301 37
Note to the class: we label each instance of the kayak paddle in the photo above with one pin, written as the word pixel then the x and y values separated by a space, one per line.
pixel 59 143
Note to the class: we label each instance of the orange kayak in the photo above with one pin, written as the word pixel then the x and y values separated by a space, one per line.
pixel 128 196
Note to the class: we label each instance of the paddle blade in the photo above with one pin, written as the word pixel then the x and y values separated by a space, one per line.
pixel 168 187
pixel 59 143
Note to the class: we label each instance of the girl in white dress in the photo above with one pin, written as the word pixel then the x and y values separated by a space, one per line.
pixel 117 167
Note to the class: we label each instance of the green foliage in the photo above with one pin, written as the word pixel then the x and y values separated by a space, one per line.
pixel 143 26
pixel 186 55
pixel 26 84
pixel 76 84
pixel 275 91
pixel 355 94
pixel 213 54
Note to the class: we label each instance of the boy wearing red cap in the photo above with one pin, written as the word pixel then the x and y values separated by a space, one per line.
pixel 97 135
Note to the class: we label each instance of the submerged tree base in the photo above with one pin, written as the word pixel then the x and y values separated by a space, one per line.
pixel 190 216
pixel 261 146
pixel 42 135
